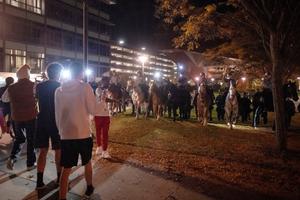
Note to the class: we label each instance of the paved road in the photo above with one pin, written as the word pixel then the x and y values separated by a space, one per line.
pixel 113 180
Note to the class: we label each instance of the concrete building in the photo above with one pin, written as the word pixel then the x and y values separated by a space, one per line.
pixel 38 32
pixel 127 61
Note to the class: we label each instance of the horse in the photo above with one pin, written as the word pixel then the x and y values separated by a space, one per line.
pixel 203 103
pixel 139 96
pixel 231 106
pixel 156 100
pixel 116 95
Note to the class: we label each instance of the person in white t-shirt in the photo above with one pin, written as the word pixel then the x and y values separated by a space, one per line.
pixel 102 122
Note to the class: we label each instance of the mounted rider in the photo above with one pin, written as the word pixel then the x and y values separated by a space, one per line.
pixel 202 79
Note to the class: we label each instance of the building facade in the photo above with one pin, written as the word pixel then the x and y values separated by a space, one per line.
pixel 38 32
pixel 127 61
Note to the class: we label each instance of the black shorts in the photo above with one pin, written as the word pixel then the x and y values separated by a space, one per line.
pixel 44 133
pixel 71 149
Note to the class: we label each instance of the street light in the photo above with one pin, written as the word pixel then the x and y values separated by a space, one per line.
pixel 143 48
pixel 180 67
pixel 244 78
pixel 85 33
pixel 66 74
pixel 157 75
pixel 88 72
pixel 143 59
pixel 121 42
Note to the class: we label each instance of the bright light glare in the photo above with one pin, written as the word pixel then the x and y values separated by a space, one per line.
pixel 134 77
pixel 221 83
pixel 212 79
pixel 88 72
pixel 180 75
pixel 143 59
pixel 243 78
pixel 121 42
pixel 180 67
pixel 143 48
pixel 298 78
pixel 66 74
pixel 157 75
pixel 197 78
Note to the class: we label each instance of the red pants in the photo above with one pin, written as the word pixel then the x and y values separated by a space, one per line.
pixel 102 127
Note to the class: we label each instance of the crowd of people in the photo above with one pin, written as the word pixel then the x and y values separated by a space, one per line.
pixel 58 112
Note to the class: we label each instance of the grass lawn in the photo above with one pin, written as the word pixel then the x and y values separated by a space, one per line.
pixel 226 164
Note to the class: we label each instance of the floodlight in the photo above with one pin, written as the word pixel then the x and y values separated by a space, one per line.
pixel 66 74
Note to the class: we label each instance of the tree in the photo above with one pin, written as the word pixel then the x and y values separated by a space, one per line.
pixel 275 22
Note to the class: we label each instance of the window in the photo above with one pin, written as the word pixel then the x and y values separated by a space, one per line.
pixel 36 6
pixel 16 29
pixel 68 40
pixel 35 61
pixel 93 46
pixel 36 36
pixel 54 37
pixel 14 59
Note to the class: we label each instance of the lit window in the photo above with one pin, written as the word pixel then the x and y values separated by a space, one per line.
pixel 36 6
pixel 14 59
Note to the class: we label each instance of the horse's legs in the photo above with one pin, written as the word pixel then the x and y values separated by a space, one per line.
pixel 133 108
pixel 235 115
pixel 146 105
pixel 227 115
pixel 205 116
pixel 137 107
pixel 174 108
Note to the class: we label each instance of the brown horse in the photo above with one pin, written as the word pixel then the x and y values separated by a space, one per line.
pixel 158 104
pixel 115 93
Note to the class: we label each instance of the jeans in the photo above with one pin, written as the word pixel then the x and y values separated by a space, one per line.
pixel 260 111
pixel 24 131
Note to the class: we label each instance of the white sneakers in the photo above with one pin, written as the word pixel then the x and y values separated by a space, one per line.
pixel 105 155
pixel 10 163
pixel 101 153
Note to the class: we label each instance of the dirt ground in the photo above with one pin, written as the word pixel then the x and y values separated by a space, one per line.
pixel 225 164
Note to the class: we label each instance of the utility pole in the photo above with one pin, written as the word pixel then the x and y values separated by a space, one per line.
pixel 85 34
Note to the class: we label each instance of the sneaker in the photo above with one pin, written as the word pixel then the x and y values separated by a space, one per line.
pixel 10 163
pixel 105 155
pixel 40 186
pixel 99 150
pixel 89 191
pixel 29 168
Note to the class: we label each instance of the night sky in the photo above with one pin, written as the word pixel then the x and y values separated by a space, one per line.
pixel 135 23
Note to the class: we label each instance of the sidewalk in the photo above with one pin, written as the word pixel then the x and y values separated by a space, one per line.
pixel 112 180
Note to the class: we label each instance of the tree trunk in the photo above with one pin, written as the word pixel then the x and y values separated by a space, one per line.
pixel 278 99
